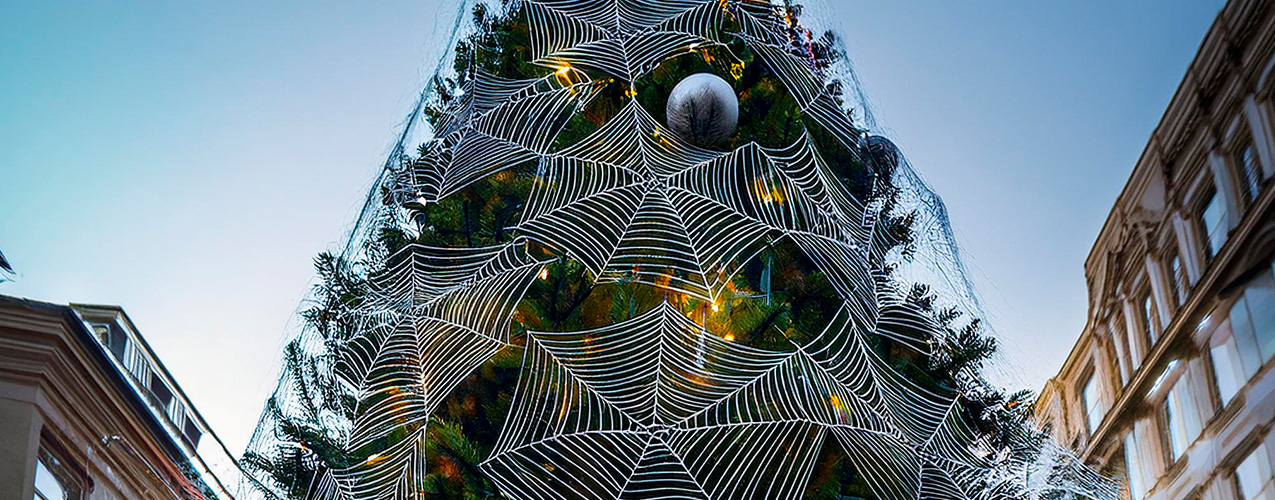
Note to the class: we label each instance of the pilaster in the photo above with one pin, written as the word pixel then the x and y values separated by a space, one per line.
pixel 20 424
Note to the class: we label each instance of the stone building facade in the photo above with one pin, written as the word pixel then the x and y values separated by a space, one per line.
pixel 1170 387
pixel 87 412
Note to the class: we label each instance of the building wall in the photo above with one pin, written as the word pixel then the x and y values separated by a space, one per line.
pixel 1170 386
pixel 61 398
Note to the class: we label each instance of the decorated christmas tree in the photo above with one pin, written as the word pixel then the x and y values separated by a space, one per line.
pixel 645 250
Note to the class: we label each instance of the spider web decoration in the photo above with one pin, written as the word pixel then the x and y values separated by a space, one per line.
pixel 660 404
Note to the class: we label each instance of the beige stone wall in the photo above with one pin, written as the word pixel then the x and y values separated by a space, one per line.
pixel 1159 292
pixel 59 392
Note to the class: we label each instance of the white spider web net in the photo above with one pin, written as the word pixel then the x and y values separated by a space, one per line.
pixel 661 404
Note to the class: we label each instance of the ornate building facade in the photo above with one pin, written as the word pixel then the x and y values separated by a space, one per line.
pixel 87 411
pixel 1170 385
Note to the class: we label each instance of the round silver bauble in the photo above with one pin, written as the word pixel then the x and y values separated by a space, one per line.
pixel 703 109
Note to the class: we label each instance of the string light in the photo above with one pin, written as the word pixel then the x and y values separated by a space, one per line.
pixel 618 202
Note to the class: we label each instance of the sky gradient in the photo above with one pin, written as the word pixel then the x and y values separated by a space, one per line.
pixel 187 160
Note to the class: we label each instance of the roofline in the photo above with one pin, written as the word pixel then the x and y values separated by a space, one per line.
pixel 1174 102
pixel 87 340
pixel 190 406
pixel 141 339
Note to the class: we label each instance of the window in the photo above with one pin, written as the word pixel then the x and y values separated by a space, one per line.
pixel 1178 280
pixel 1131 345
pixel 1253 314
pixel 116 342
pixel 1253 476
pixel 192 432
pixel 52 479
pixel 1184 425
pixel 1213 222
pixel 1092 399
pixel 1150 320
pixel 1250 173
pixel 103 333
pixel 1137 485
pixel 1230 369
pixel 161 391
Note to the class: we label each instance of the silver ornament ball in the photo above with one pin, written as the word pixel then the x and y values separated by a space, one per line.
pixel 703 109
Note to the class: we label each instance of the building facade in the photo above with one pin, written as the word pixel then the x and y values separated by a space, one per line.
pixel 88 412
pixel 1170 386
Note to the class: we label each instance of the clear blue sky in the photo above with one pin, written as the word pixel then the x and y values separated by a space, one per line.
pixel 186 160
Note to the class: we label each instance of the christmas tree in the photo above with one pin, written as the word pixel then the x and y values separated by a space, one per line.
pixel 645 252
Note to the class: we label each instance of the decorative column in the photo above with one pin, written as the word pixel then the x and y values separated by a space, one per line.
pixel 1159 291
pixel 1106 367
pixel 1121 344
pixel 1137 351
pixel 1147 436
pixel 20 424
pixel 1188 247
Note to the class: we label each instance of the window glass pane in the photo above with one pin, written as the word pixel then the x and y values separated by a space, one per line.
pixel 1149 319
pixel 1179 279
pixel 192 432
pixel 1137 486
pixel 1213 219
pixel 1093 403
pixel 162 393
pixel 1250 173
pixel 1260 298
pixel 1245 337
pixel 1253 476
pixel 1228 370
pixel 47 486
pixel 1181 433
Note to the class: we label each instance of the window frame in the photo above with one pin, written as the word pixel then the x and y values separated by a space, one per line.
pixel 1211 196
pixel 1248 186
pixel 1183 420
pixel 1261 453
pixel 1150 315
pixel 1133 468
pixel 1234 364
pixel 1091 379
pixel 1179 282
pixel 57 460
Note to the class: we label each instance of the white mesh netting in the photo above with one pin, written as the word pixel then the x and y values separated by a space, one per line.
pixel 703 371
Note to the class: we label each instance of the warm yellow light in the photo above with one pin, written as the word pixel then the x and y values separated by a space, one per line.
pixel 730 337
pixel 376 458
pixel 563 70
pixel 544 273
pixel 715 307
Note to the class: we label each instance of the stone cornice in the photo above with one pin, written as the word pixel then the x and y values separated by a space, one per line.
pixel 85 398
